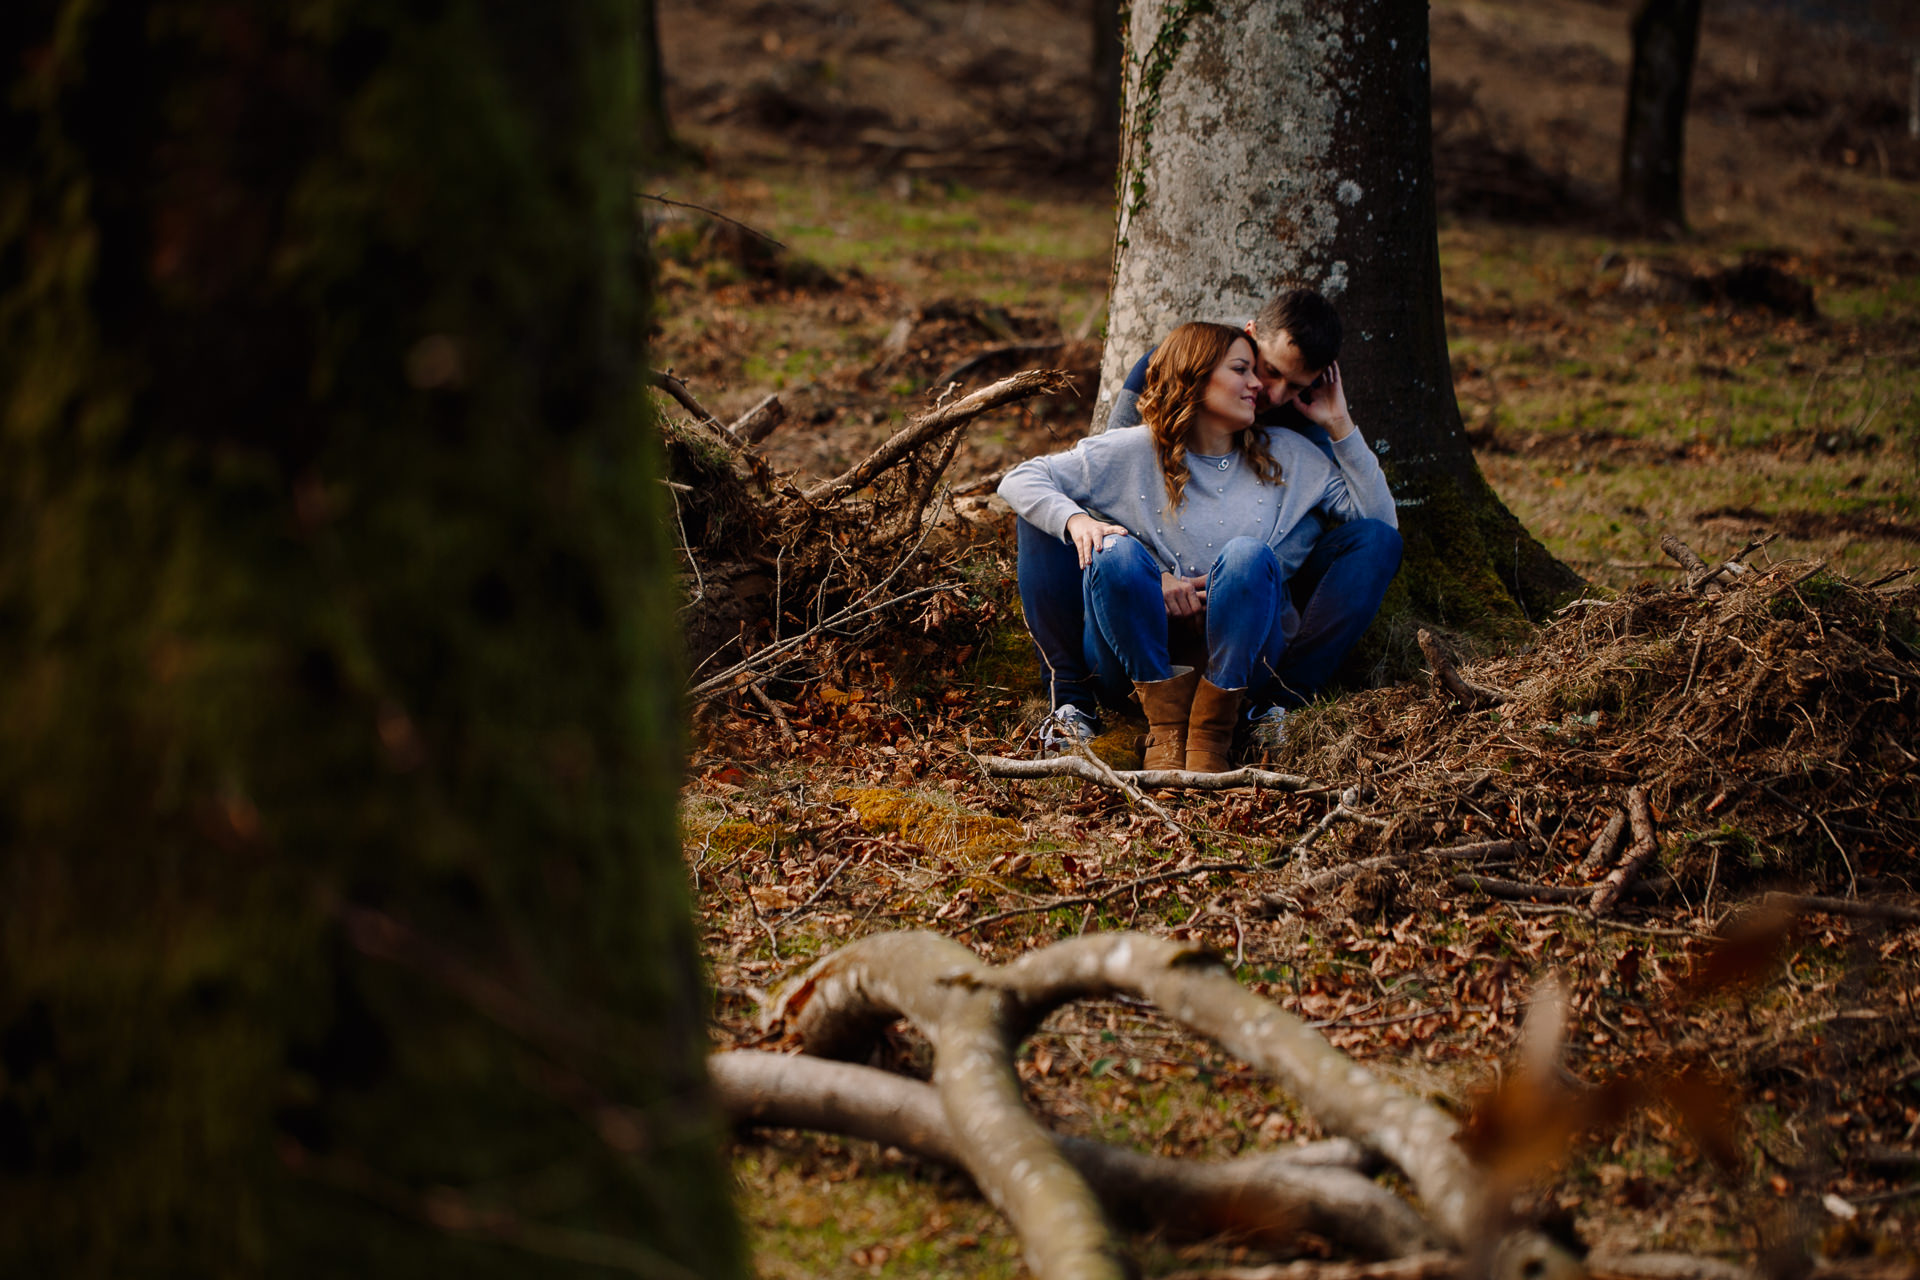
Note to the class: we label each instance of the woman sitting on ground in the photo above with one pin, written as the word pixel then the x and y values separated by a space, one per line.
pixel 1188 517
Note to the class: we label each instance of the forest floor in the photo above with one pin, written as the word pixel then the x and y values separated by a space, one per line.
pixel 926 169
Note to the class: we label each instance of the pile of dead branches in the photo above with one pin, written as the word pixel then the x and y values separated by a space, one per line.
pixel 1749 729
pixel 778 569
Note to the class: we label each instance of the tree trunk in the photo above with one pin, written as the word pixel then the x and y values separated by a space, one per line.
pixel 658 144
pixel 1665 35
pixel 1274 143
pixel 342 928
pixel 1109 56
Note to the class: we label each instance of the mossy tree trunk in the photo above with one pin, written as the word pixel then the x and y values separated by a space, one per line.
pixel 1666 34
pixel 342 929
pixel 1272 143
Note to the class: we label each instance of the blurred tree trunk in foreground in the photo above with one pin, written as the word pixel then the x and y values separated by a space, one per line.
pixel 1665 35
pixel 1271 143
pixel 342 927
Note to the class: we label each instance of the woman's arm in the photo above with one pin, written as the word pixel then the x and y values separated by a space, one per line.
pixel 1044 494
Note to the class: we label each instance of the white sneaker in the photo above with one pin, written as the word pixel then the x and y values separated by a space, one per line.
pixel 1268 730
pixel 1063 732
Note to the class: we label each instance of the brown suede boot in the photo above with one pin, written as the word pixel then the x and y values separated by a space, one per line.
pixel 1210 730
pixel 1169 705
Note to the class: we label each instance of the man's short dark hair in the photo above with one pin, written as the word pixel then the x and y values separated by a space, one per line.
pixel 1309 319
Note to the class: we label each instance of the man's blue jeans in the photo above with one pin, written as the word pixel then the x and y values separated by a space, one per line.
pixel 1281 638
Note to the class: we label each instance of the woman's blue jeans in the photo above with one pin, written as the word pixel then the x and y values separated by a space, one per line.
pixel 1101 630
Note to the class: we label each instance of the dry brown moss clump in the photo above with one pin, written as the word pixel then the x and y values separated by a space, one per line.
pixel 1772 727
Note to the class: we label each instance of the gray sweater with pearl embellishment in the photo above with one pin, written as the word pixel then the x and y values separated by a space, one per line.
pixel 1116 476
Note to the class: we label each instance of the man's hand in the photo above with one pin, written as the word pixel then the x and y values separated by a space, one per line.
pixel 1325 403
pixel 1185 596
pixel 1088 534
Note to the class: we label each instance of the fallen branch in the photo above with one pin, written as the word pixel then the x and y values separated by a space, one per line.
pixel 759 422
pixel 1732 564
pixel 1108 777
pixel 945 418
pixel 674 387
pixel 1265 1199
pixel 1601 851
pixel 974 1015
pixel 1644 846
pixel 1684 556
pixel 1164 779
pixel 1447 675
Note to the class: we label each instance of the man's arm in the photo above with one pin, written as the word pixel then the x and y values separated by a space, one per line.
pixel 1126 404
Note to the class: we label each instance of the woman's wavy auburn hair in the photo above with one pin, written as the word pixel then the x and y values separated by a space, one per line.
pixel 1177 378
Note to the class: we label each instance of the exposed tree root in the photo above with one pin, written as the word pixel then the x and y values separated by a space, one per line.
pixel 1264 1199
pixel 975 1015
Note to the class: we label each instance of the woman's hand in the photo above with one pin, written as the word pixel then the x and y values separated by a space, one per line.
pixel 1325 403
pixel 1088 534
pixel 1185 596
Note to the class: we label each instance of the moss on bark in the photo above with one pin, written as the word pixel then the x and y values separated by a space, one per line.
pixel 341 922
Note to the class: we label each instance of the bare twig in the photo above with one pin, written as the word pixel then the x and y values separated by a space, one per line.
pixel 711 213
pixel 676 388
